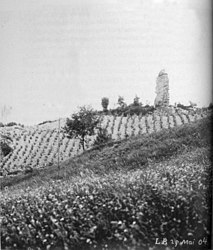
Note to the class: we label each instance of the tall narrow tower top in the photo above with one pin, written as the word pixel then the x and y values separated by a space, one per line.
pixel 162 90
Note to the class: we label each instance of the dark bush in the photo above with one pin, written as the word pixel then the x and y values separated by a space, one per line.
pixel 102 137
pixel 10 124
pixel 132 110
pixel 210 106
pixel 179 105
pixel 137 110
pixel 6 149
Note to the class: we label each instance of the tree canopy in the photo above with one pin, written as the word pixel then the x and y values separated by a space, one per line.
pixel 82 124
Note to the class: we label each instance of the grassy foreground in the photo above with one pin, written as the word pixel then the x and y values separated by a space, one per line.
pixel 148 192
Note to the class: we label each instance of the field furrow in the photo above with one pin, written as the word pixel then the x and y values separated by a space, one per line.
pixel 39 145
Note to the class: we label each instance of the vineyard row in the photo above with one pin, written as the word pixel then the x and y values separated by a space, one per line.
pixel 40 146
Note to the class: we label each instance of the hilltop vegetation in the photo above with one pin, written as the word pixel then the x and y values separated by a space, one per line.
pixel 123 195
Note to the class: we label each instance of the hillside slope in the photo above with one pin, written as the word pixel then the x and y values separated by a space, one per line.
pixel 38 146
pixel 130 194
pixel 125 154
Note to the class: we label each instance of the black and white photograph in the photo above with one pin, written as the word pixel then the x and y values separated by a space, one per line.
pixel 106 125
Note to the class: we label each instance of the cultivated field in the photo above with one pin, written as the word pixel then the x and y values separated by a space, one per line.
pixel 38 146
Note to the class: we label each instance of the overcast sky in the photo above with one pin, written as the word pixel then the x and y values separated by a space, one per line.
pixel 58 55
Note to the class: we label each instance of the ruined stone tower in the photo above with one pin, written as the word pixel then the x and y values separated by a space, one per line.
pixel 162 90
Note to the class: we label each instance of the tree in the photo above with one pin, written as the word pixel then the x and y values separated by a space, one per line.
pixel 102 137
pixel 121 102
pixel 82 124
pixel 136 101
pixel 5 149
pixel 105 103
pixel 193 104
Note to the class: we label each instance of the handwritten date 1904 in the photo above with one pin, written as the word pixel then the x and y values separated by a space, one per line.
pixel 176 243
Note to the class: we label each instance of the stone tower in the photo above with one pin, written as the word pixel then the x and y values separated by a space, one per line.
pixel 162 90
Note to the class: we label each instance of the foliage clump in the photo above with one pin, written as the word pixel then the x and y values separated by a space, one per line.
pixel 105 103
pixel 102 137
pixel 82 124
pixel 134 108
pixel 4 144
pixel 6 149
